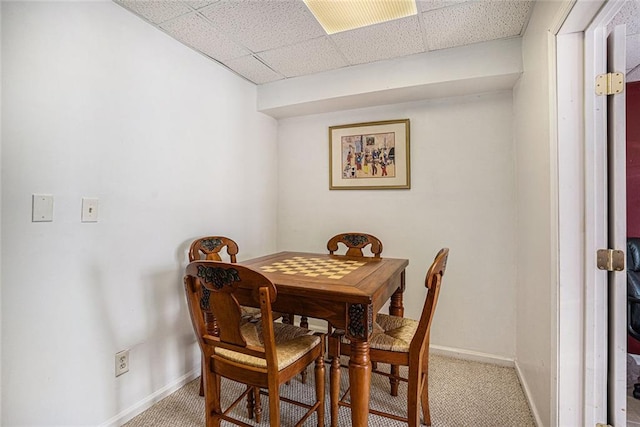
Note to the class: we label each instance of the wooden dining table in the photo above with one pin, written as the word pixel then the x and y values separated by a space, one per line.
pixel 345 291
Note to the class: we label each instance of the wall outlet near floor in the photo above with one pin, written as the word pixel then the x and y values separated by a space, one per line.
pixel 122 362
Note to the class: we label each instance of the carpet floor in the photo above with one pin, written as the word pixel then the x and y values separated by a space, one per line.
pixel 461 393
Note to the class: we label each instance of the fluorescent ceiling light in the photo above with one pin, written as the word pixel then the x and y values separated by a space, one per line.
pixel 342 15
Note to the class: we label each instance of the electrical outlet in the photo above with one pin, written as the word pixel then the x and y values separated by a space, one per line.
pixel 122 362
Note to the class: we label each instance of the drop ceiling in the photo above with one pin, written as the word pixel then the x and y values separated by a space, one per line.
pixel 630 15
pixel 270 40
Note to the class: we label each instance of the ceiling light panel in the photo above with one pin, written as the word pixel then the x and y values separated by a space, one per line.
pixel 337 16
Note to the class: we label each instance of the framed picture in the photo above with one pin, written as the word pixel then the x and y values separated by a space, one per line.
pixel 368 156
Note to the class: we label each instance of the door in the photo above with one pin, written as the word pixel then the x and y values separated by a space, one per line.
pixel 617 295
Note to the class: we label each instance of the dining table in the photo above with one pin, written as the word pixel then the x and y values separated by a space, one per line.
pixel 344 290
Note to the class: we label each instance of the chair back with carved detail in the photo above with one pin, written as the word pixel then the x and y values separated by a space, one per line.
pixel 210 247
pixel 260 354
pixel 355 243
pixel 212 287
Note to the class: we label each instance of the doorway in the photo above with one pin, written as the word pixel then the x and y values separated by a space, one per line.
pixel 583 218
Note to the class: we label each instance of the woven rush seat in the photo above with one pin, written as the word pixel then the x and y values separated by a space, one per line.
pixel 250 312
pixel 399 342
pixel 291 341
pixel 390 333
pixel 257 352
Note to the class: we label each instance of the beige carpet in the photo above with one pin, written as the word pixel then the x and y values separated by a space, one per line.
pixel 462 393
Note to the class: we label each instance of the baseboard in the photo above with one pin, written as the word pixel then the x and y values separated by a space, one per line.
pixel 474 356
pixel 527 395
pixel 149 401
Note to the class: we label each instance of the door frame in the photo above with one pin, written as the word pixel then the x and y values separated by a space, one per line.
pixel 581 385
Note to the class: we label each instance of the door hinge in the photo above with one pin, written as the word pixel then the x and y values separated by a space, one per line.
pixel 610 260
pixel 603 425
pixel 609 84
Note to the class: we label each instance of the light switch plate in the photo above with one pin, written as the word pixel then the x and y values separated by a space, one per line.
pixel 42 208
pixel 89 209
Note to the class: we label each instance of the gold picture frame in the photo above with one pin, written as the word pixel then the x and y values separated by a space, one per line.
pixel 369 156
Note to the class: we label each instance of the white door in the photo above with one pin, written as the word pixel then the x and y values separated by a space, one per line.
pixel 616 133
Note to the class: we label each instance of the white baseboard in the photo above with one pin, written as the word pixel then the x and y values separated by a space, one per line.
pixel 527 395
pixel 494 360
pixel 474 356
pixel 149 401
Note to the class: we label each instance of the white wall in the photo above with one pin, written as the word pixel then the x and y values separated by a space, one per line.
pixel 536 332
pixel 478 68
pixel 98 103
pixel 462 197
pixel 0 212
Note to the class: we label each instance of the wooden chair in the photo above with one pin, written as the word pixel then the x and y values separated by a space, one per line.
pixel 402 342
pixel 354 243
pixel 259 354
pixel 210 248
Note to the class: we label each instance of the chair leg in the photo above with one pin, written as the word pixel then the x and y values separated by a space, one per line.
pixel 394 382
pixel 274 406
pixel 334 389
pixel 213 409
pixel 319 371
pixel 413 398
pixel 424 396
pixel 257 404
pixel 202 364
pixel 250 403
pixel 426 413
pixel 304 323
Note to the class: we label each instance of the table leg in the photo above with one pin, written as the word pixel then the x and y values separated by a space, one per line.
pixel 396 308
pixel 360 382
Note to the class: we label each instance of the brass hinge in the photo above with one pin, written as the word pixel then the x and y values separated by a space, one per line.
pixel 610 260
pixel 609 84
pixel 603 425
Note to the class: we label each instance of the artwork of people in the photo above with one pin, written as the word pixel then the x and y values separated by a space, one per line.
pixel 368 156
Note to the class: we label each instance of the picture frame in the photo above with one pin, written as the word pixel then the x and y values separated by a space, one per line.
pixel 370 156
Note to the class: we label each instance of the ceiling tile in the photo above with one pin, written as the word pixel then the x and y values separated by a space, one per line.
pixel 390 39
pixel 633 51
pixel 474 22
pixel 426 5
pixel 198 4
pixel 629 14
pixel 261 25
pixel 196 32
pixel 312 56
pixel 252 69
pixel 155 11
